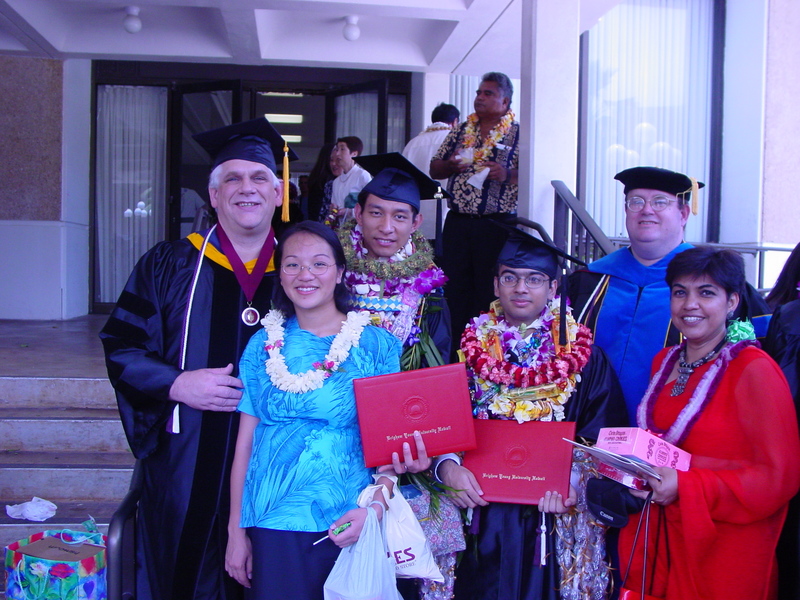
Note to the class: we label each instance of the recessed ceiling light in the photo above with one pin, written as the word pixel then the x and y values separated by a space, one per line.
pixel 292 139
pixel 283 118
pixel 282 94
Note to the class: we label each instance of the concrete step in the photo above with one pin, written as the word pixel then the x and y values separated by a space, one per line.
pixel 61 430
pixel 81 476
pixel 77 392
pixel 70 515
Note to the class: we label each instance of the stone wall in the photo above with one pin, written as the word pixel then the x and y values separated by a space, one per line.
pixel 30 130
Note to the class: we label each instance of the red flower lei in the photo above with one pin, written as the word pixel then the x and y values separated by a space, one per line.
pixel 567 361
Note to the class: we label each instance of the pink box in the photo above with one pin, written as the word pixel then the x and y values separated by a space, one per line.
pixel 634 441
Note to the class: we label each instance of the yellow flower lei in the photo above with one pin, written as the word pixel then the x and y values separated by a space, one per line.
pixel 472 134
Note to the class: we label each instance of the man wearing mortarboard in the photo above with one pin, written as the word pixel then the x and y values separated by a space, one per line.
pixel 528 360
pixel 391 274
pixel 173 344
pixel 624 298
pixel 390 268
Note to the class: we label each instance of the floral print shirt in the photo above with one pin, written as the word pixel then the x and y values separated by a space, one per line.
pixel 494 196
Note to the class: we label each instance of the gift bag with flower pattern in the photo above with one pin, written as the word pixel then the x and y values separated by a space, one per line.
pixel 57 565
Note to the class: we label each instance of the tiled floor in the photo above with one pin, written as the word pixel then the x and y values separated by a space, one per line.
pixel 52 348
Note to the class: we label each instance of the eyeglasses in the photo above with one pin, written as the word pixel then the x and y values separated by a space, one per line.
pixel 316 268
pixel 531 281
pixel 657 203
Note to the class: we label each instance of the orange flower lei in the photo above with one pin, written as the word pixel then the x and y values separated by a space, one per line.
pixel 525 393
pixel 472 134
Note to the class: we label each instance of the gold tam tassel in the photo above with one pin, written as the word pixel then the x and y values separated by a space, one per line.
pixel 695 192
pixel 285 205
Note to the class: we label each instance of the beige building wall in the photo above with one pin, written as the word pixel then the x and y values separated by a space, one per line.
pixel 781 217
pixel 31 125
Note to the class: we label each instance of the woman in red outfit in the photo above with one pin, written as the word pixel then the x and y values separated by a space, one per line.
pixel 714 528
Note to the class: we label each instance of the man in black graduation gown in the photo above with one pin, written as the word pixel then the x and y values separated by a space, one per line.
pixel 172 347
pixel 504 559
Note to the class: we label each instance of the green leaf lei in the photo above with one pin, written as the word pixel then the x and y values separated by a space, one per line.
pixel 412 266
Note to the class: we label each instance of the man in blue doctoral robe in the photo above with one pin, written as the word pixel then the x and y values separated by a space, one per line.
pixel 624 298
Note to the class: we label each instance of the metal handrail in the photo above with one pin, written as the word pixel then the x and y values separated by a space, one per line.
pixel 537 227
pixel 121 547
pixel 579 235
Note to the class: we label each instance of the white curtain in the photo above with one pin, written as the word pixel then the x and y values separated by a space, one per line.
pixel 131 182
pixel 357 114
pixel 462 92
pixel 648 101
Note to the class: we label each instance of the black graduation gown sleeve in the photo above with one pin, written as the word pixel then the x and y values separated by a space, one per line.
pixel 503 567
pixel 783 345
pixel 582 285
pixel 142 341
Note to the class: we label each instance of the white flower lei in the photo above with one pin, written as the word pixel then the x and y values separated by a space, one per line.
pixel 349 335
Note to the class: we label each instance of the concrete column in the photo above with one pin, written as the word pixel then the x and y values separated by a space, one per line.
pixel 781 212
pixel 75 186
pixel 743 121
pixel 430 90
pixel 548 107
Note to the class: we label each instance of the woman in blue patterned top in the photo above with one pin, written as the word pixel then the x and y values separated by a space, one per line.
pixel 299 465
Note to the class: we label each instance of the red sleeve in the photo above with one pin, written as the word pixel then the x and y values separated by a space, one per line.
pixel 763 473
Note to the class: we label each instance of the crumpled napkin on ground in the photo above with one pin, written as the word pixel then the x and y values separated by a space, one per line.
pixel 38 509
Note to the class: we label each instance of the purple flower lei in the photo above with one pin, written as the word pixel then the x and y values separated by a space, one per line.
pixel 702 395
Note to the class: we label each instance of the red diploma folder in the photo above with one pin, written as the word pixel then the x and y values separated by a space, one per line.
pixel 518 462
pixel 433 401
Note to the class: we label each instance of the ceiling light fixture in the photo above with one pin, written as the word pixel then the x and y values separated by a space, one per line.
pixel 284 118
pixel 351 31
pixel 132 23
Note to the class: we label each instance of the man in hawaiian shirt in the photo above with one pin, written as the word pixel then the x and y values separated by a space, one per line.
pixel 481 159
pixel 391 273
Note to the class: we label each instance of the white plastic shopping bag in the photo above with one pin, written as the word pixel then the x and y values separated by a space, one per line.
pixel 363 570
pixel 408 546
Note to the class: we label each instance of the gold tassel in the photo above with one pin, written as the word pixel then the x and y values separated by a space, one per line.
pixel 285 205
pixel 695 192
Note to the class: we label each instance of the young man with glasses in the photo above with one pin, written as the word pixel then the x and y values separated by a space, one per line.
pixel 624 298
pixel 519 367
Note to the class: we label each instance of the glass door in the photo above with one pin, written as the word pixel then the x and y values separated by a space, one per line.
pixel 196 108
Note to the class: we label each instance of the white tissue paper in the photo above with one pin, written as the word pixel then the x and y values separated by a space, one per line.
pixel 479 177
pixel 37 509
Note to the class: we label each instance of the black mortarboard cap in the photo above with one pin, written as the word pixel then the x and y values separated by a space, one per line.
pixel 255 140
pixel 656 178
pixel 395 178
pixel 523 251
